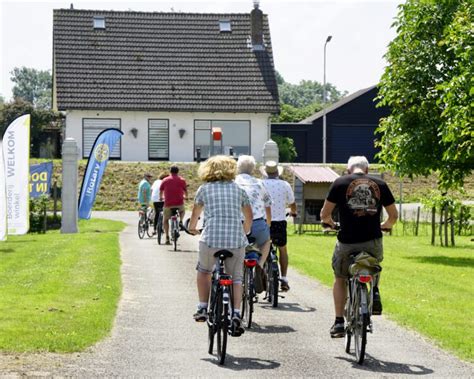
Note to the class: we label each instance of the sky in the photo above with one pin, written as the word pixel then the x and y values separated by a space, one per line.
pixel 360 30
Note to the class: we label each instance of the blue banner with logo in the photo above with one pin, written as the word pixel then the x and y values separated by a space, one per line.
pixel 40 179
pixel 98 159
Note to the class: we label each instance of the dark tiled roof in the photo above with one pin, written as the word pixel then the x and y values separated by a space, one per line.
pixel 161 61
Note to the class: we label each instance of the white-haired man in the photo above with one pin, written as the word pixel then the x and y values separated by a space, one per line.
pixel 360 199
pixel 261 202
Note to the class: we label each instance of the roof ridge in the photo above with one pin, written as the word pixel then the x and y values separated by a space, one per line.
pixel 151 12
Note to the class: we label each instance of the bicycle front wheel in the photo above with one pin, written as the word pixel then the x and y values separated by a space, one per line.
pixel 141 228
pixel 149 228
pixel 222 329
pixel 361 321
pixel 248 295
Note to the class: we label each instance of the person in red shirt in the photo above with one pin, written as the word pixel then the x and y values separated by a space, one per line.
pixel 173 190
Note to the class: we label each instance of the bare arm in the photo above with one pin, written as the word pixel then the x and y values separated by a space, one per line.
pixel 392 216
pixel 293 210
pixel 248 218
pixel 326 213
pixel 197 210
pixel 268 213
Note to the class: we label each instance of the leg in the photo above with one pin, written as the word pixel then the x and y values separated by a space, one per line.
pixel 166 224
pixel 237 288
pixel 283 260
pixel 157 214
pixel 339 294
pixel 204 286
pixel 264 250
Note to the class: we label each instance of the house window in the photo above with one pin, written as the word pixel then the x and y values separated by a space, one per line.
pixel 235 135
pixel 224 26
pixel 158 139
pixel 99 22
pixel 91 128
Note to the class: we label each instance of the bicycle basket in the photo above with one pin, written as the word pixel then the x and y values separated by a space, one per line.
pixel 365 263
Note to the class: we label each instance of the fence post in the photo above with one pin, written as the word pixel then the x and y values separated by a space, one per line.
pixel 433 225
pixel 441 226
pixel 417 220
pixel 446 225
pixel 45 217
pixel 451 224
pixel 55 200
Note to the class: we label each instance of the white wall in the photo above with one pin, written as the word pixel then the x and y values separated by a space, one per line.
pixel 180 149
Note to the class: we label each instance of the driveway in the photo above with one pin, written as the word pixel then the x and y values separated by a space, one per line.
pixel 154 334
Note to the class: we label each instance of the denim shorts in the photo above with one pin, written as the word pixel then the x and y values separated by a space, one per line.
pixel 260 231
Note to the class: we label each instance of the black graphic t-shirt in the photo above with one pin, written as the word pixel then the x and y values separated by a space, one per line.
pixel 359 198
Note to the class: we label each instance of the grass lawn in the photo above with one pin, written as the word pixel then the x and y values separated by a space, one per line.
pixel 423 287
pixel 59 292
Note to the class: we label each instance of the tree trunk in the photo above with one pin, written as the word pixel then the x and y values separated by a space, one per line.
pixel 451 223
pixel 433 225
pixel 417 221
pixel 446 226
pixel 441 213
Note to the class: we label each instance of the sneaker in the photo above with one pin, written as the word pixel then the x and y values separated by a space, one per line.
pixel 236 329
pixel 284 286
pixel 377 304
pixel 338 330
pixel 200 315
pixel 258 279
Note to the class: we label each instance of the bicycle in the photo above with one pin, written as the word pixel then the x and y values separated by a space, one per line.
pixel 249 292
pixel 272 273
pixel 220 307
pixel 363 270
pixel 358 308
pixel 159 227
pixel 145 220
pixel 174 228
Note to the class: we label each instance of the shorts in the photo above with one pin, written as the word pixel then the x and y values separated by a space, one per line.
pixel 167 210
pixel 234 266
pixel 260 231
pixel 278 233
pixel 341 258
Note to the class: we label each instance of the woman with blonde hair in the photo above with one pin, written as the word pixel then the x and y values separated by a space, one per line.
pixel 223 203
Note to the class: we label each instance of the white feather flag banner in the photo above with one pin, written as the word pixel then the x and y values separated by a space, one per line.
pixel 16 156
pixel 3 198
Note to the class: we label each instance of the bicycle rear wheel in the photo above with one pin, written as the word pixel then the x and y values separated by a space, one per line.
pixel 274 282
pixel 222 328
pixel 141 228
pixel 159 228
pixel 175 236
pixel 361 320
pixel 248 296
pixel 348 315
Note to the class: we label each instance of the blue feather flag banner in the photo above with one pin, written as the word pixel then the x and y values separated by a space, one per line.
pixel 96 165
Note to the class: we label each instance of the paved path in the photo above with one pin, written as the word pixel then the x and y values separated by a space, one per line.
pixel 154 334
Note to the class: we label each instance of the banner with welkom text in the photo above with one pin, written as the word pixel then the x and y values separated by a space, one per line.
pixel 3 198
pixel 96 165
pixel 16 156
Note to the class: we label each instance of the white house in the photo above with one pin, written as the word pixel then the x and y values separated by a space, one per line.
pixel 166 80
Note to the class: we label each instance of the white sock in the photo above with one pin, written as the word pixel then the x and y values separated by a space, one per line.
pixel 237 312
pixel 202 305
pixel 284 279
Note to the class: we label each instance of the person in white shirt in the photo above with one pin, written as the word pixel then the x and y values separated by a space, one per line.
pixel 155 198
pixel 282 196
pixel 260 201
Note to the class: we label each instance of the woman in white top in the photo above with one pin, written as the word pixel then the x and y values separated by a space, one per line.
pixel 155 198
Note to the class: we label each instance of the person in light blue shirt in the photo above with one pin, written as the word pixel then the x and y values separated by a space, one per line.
pixel 144 191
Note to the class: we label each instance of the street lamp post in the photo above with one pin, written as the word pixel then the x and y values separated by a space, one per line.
pixel 324 101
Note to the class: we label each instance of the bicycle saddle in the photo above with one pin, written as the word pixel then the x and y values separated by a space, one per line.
pixel 223 253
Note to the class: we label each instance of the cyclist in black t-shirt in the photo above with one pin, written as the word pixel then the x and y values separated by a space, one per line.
pixel 359 198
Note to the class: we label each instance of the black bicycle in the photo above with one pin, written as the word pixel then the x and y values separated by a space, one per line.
pixel 145 222
pixel 249 292
pixel 272 273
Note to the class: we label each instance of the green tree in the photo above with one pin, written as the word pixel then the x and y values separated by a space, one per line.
pixel 289 113
pixel 33 86
pixel 40 119
pixel 286 148
pixel 428 87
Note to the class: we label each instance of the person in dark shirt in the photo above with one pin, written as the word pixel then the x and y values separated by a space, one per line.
pixel 359 198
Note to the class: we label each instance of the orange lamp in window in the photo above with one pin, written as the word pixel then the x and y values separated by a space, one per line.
pixel 216 134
